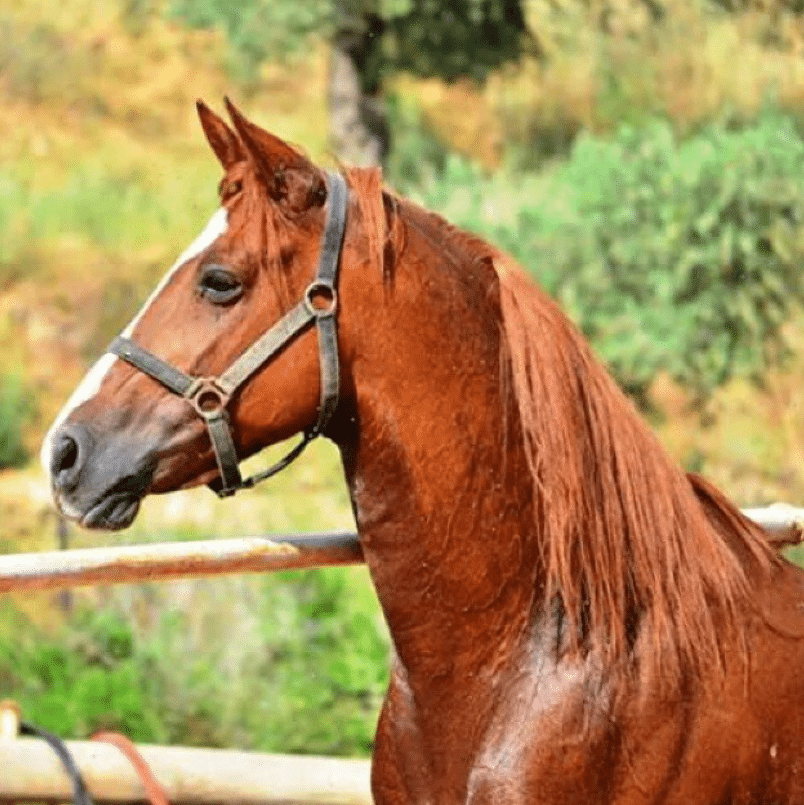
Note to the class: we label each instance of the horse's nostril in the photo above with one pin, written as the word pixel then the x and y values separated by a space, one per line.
pixel 67 457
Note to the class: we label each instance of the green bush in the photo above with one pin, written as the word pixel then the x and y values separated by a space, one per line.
pixel 303 668
pixel 77 682
pixel 417 156
pixel 676 255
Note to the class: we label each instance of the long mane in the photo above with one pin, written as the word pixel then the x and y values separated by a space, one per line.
pixel 651 566
pixel 647 561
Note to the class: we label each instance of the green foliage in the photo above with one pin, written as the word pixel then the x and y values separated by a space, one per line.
pixel 418 157
pixel 330 662
pixel 87 680
pixel 301 668
pixel 463 38
pixel 15 408
pixel 676 255
pixel 796 554
pixel 700 241
pixel 257 29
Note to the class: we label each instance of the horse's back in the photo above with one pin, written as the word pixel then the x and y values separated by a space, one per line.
pixel 735 740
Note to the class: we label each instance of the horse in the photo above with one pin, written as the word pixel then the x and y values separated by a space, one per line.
pixel 574 618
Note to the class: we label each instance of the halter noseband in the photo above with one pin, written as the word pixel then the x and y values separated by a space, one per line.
pixel 210 396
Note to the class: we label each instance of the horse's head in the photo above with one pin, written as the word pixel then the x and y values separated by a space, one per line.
pixel 131 429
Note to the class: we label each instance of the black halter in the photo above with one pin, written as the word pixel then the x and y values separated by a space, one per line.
pixel 210 396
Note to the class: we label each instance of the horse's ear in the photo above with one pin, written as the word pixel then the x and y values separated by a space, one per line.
pixel 223 141
pixel 289 176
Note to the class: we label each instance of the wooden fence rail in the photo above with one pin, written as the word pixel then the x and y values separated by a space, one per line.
pixel 784 523
pixel 166 560
pixel 30 772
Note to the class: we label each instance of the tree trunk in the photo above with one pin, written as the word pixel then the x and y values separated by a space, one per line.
pixel 359 130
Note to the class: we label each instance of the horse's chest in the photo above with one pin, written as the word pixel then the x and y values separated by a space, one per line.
pixel 541 754
pixel 521 747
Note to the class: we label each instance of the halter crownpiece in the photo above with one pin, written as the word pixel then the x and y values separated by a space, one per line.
pixel 210 396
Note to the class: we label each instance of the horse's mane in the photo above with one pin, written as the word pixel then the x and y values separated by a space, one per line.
pixel 628 537
pixel 650 565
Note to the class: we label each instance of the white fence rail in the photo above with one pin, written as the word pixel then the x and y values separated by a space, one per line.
pixel 30 772
pixel 784 523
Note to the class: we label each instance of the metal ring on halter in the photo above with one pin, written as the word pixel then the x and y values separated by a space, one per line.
pixel 207 398
pixel 330 296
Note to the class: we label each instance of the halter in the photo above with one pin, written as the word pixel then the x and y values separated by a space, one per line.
pixel 210 396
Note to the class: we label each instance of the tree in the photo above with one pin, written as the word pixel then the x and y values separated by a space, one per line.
pixel 371 39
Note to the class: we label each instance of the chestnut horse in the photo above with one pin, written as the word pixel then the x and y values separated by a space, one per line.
pixel 574 618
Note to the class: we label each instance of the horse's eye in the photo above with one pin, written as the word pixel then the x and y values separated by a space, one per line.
pixel 231 189
pixel 219 285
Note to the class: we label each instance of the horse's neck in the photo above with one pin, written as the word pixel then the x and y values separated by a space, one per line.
pixel 435 475
pixel 443 534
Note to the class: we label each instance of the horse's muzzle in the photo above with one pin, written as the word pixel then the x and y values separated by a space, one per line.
pixel 98 483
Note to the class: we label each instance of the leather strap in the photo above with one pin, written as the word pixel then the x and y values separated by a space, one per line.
pixel 265 347
pixel 329 372
pixel 225 451
pixel 333 233
pixel 150 364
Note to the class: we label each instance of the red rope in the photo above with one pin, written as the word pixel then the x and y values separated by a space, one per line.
pixel 153 790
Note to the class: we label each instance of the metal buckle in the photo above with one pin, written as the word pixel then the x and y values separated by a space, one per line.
pixel 207 398
pixel 319 289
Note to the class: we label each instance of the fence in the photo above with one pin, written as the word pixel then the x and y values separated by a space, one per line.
pixel 166 560
pixel 29 772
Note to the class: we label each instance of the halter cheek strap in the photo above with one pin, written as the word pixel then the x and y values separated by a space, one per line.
pixel 210 396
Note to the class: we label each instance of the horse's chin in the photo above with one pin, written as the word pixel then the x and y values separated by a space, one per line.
pixel 113 513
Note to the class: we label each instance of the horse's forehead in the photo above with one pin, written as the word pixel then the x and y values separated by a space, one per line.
pixel 216 226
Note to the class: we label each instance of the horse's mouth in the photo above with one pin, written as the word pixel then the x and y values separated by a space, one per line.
pixel 111 513
pixel 114 512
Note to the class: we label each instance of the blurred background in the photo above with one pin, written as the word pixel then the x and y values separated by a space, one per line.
pixel 644 159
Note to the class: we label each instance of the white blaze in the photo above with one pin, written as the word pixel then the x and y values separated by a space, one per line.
pixel 91 383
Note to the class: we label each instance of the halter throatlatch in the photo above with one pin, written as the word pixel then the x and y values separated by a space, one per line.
pixel 210 396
